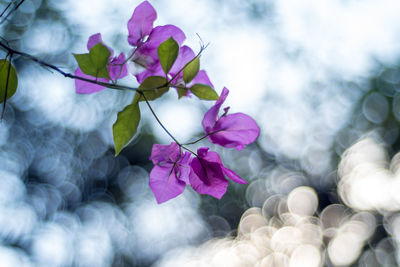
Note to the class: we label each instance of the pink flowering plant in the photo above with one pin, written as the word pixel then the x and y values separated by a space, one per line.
pixel 165 62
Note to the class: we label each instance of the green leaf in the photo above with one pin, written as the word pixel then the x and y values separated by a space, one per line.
pixel 181 91
pixel 95 62
pixel 126 126
pixel 203 91
pixel 99 55
pixel 7 71
pixel 191 69
pixel 152 87
pixel 167 53
pixel 85 64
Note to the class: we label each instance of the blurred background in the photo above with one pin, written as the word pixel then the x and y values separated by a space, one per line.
pixel 321 78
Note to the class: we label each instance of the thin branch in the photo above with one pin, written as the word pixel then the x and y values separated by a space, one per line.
pixel 65 74
pixel 202 48
pixel 158 120
pixel 197 140
pixel 4 11
pixel 12 11
pixel 162 125
pixel 197 156
pixel 201 138
pixel 6 89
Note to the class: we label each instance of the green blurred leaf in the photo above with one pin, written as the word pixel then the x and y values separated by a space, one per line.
pixel 95 62
pixel 181 91
pixel 99 55
pixel 203 91
pixel 85 64
pixel 167 53
pixel 126 126
pixel 152 87
pixel 7 71
pixel 191 69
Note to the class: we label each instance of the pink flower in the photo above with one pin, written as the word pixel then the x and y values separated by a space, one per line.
pixel 140 26
pixel 141 23
pixel 170 173
pixel 146 53
pixel 153 67
pixel 208 174
pixel 234 130
pixel 116 68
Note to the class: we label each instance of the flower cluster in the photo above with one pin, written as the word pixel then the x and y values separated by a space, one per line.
pixel 205 172
pixel 146 40
pixel 165 62
pixel 116 67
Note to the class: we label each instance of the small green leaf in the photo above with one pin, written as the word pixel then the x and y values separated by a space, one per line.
pixel 95 62
pixel 7 71
pixel 126 126
pixel 203 91
pixel 85 64
pixel 191 69
pixel 167 53
pixel 181 91
pixel 152 87
pixel 99 55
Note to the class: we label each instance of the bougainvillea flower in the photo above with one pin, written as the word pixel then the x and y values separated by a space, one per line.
pixel 141 23
pixel 117 69
pixel 185 55
pixel 234 130
pixel 170 173
pixel 208 174
pixel 140 26
pixel 146 54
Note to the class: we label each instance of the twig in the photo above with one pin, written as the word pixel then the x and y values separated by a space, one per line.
pixel 4 11
pixel 158 120
pixel 65 74
pixel 12 11
pixel 202 48
pixel 163 127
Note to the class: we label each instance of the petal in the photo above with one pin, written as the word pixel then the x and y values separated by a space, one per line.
pixel 202 151
pixel 164 153
pixel 141 22
pixel 233 175
pixel 94 40
pixel 155 70
pixel 117 67
pixel 82 87
pixel 213 157
pixel 207 178
pixel 202 78
pixel 183 168
pixel 234 130
pixel 210 156
pixel 164 183
pixel 211 116
pixel 158 35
